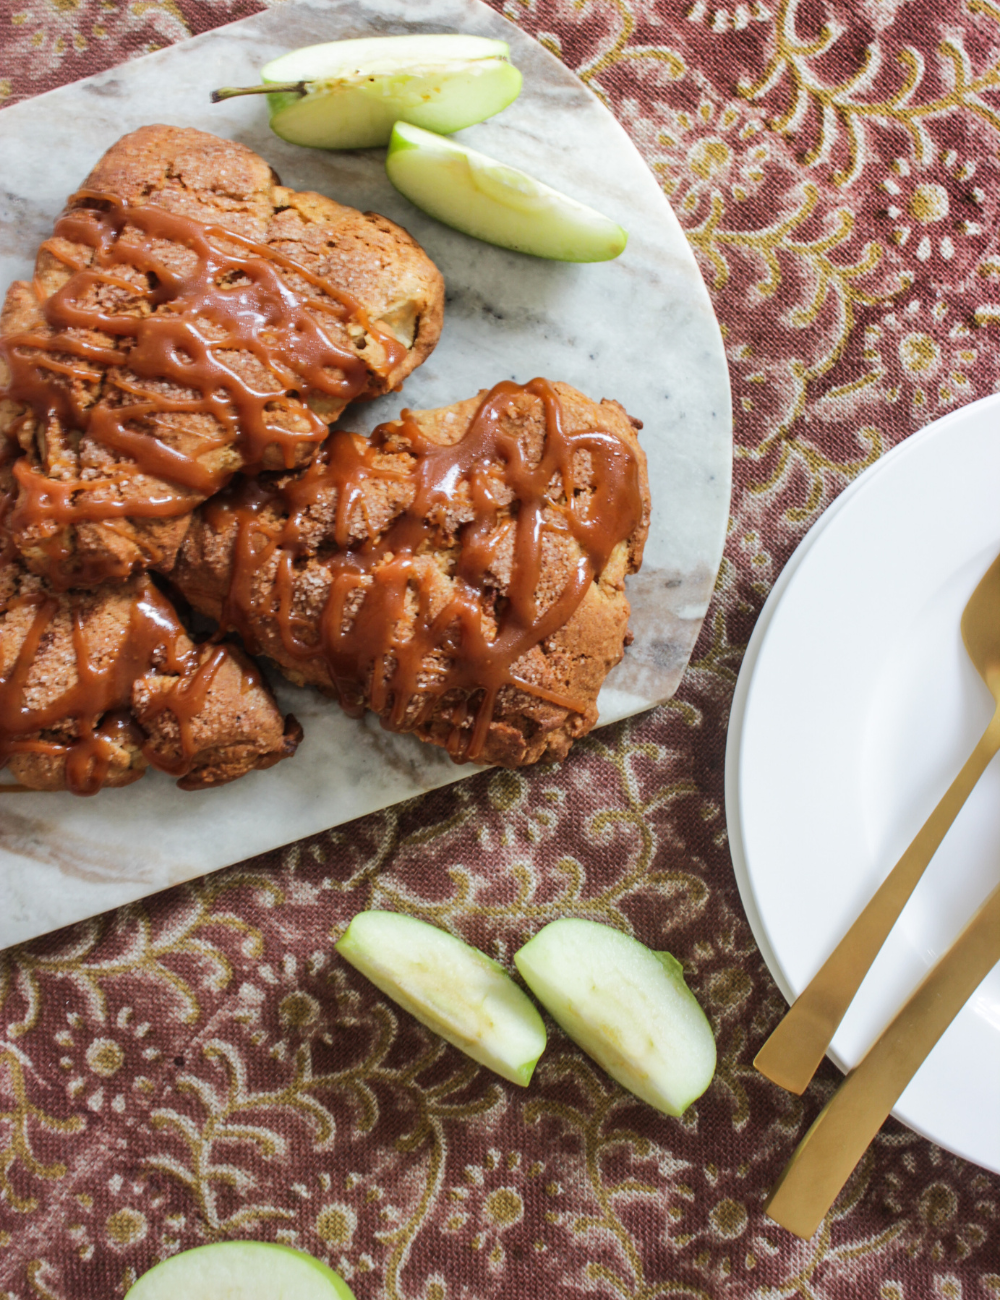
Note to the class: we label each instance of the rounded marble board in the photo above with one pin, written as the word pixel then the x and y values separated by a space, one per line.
pixel 639 329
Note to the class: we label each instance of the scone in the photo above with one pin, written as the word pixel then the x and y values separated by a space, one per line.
pixel 462 573
pixel 97 685
pixel 191 317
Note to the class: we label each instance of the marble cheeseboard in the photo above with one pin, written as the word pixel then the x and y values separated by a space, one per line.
pixel 639 329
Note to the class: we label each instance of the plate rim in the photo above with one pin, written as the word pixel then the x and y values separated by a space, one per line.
pixel 757 646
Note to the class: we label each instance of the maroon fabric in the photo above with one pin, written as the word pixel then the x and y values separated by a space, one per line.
pixel 202 1066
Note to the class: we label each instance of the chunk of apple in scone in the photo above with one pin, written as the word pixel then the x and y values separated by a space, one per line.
pixel 191 317
pixel 97 685
pixel 462 573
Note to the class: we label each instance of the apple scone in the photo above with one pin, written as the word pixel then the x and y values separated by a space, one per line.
pixel 169 383
pixel 191 317
pixel 462 573
pixel 98 685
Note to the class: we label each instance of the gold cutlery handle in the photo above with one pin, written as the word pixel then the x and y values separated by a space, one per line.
pixel 825 1157
pixel 794 1050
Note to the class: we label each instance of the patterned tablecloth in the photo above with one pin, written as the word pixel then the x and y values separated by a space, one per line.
pixel 201 1067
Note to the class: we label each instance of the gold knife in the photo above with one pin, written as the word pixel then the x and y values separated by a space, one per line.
pixel 826 1156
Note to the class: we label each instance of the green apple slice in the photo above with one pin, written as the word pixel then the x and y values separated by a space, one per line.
pixel 348 94
pixel 496 203
pixel 241 1270
pixel 450 987
pixel 626 1006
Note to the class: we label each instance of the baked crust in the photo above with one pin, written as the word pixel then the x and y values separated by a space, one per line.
pixel 462 574
pixel 570 664
pixel 234 728
pixel 225 185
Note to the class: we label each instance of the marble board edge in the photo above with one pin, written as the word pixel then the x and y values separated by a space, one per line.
pixel 403 766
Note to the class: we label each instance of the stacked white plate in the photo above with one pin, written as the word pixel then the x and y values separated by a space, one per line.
pixel 855 708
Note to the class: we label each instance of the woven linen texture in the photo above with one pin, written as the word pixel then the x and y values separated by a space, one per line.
pixel 202 1066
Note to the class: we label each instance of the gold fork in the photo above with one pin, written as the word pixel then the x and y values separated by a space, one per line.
pixel 795 1048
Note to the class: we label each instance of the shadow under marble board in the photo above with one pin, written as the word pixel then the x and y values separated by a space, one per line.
pixel 639 329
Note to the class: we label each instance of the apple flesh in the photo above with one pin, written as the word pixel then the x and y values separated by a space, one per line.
pixel 452 988
pixel 626 1006
pixel 241 1270
pixel 348 94
pixel 496 203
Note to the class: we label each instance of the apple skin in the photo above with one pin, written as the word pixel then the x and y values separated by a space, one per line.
pixel 627 1006
pixel 355 90
pixel 501 205
pixel 241 1270
pixel 449 986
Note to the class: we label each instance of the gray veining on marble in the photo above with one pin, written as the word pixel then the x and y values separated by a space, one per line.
pixel 639 329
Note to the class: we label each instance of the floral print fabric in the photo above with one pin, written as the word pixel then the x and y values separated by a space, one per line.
pixel 202 1066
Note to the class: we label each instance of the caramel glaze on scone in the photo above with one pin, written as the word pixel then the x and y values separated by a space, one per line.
pixel 462 573
pixel 97 685
pixel 189 318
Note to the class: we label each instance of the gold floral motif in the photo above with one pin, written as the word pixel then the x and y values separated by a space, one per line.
pixel 601 1134
pixel 35 1270
pixel 227 1122
pixel 832 281
pixel 126 1227
pixel 336 1225
pixel 838 110
pixel 621 50
pixel 81 964
pixel 18 1139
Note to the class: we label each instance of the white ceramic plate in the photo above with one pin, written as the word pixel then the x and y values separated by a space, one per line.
pixel 855 708
pixel 640 329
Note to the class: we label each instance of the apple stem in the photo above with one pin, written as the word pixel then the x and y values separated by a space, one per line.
pixel 269 88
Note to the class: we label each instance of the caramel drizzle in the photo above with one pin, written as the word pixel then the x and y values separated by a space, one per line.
pixel 363 649
pixel 98 700
pixel 234 299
